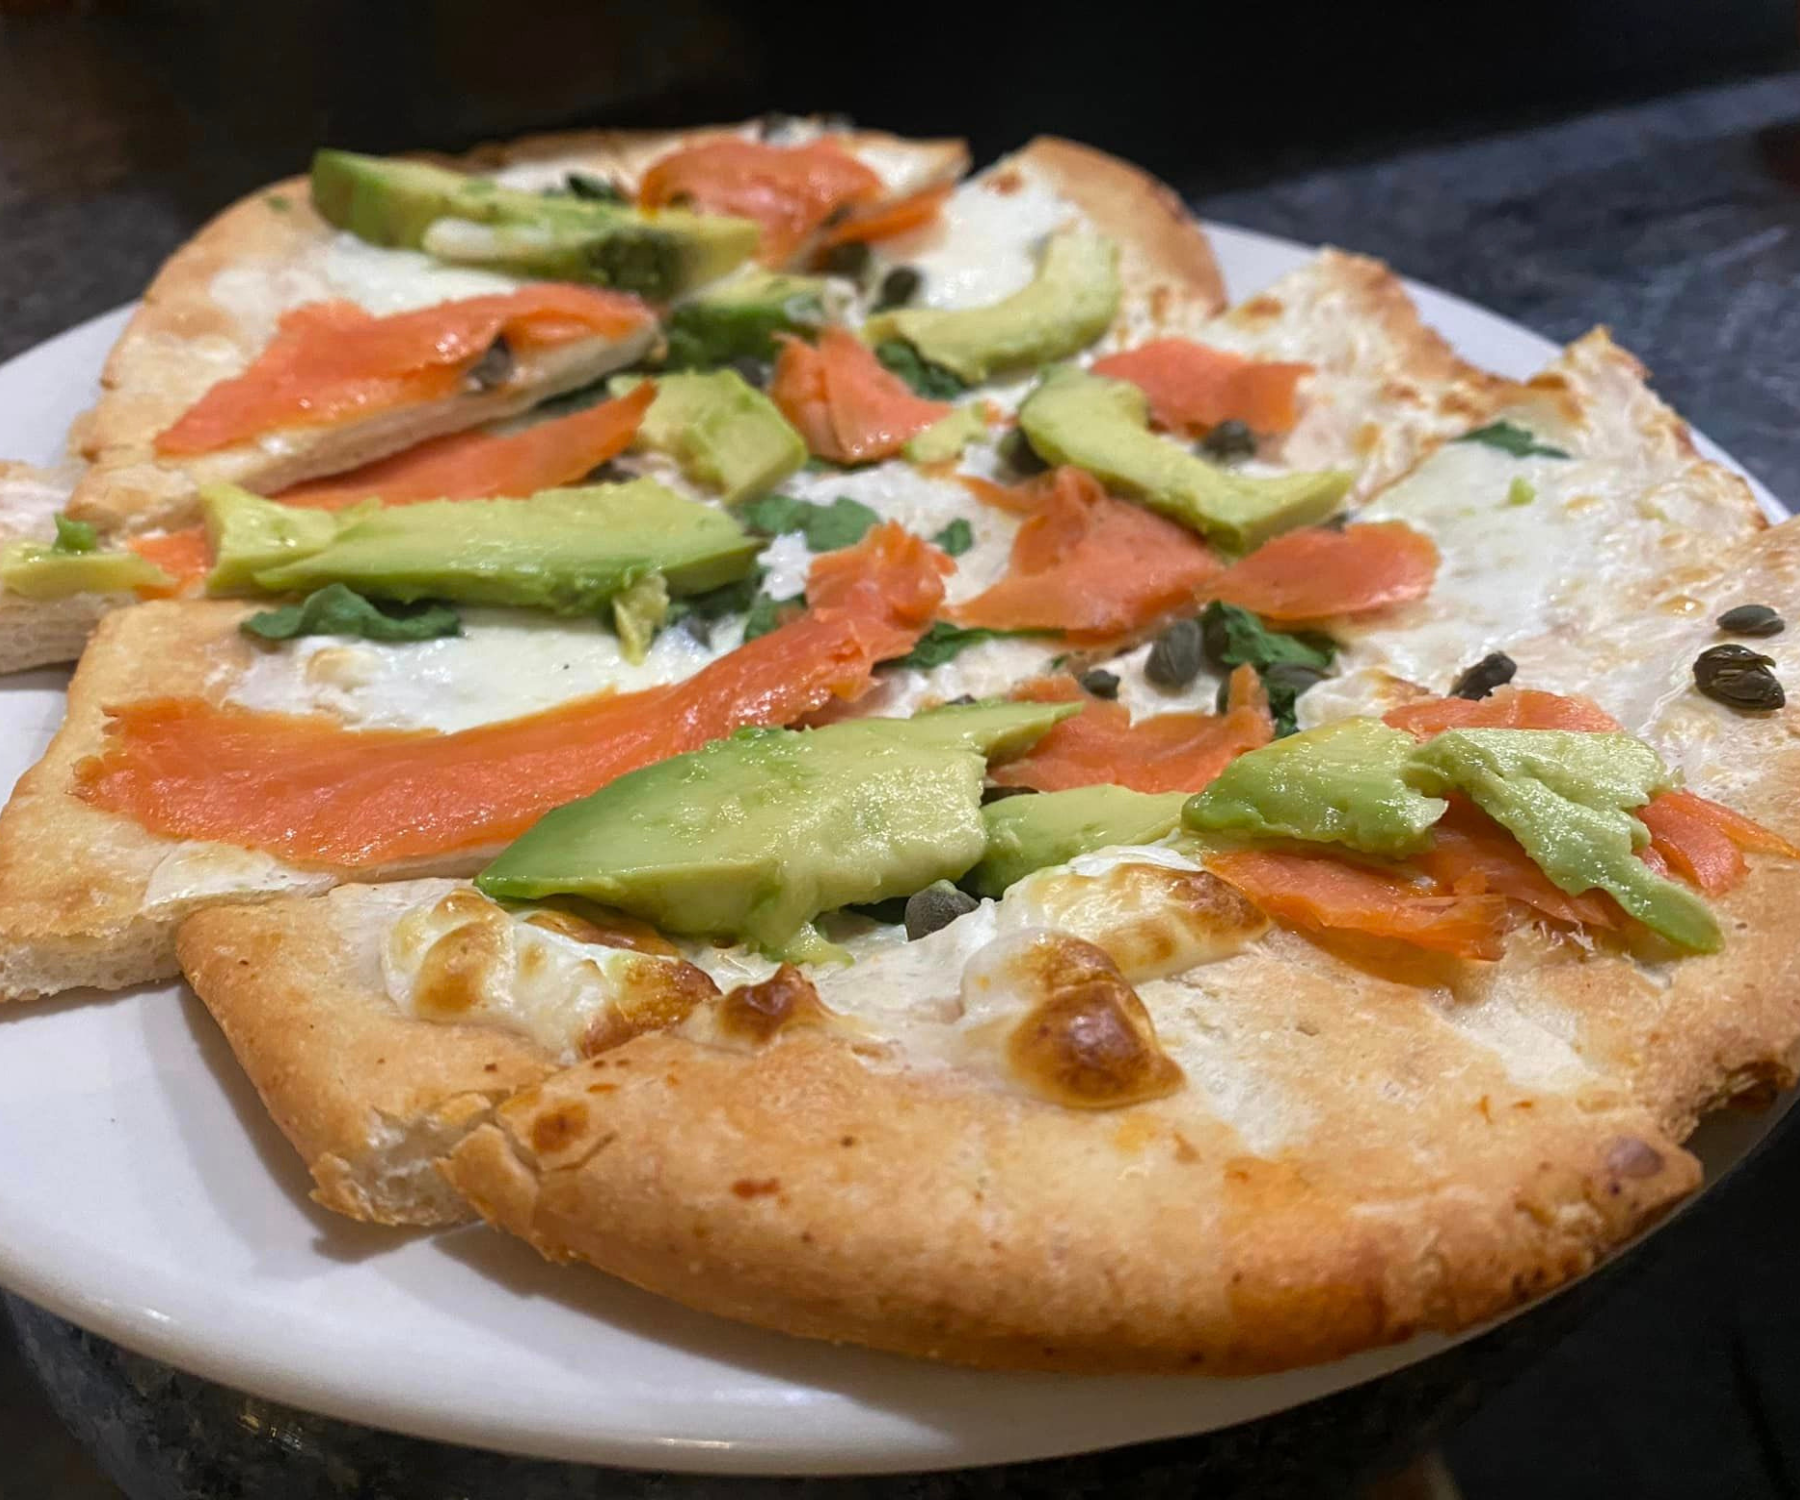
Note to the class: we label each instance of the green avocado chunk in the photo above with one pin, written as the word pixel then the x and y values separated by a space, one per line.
pixel 469 220
pixel 1340 784
pixel 946 438
pixel 1103 426
pixel 41 570
pixel 1069 303
pixel 569 551
pixel 739 318
pixel 249 535
pixel 753 836
pixel 1030 833
pixel 721 430
pixel 1567 798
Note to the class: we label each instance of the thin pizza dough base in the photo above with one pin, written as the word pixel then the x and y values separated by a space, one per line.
pixel 42 632
pixel 370 1099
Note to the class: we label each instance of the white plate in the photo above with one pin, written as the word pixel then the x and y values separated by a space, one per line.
pixel 144 1194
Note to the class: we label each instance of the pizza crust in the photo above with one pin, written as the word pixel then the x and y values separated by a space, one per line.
pixel 42 632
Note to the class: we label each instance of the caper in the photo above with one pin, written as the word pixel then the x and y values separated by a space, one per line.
pixel 1739 678
pixel 1751 619
pixel 594 189
pixel 494 367
pixel 898 288
pixel 1015 448
pixel 1496 669
pixel 1101 683
pixel 1001 793
pixel 961 700
pixel 1174 660
pixel 938 905
pixel 756 372
pixel 1293 677
pixel 1228 442
pixel 848 259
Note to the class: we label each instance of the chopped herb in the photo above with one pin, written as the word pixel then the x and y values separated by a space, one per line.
pixel 1751 619
pixel 1739 678
pixel 944 641
pixel 843 523
pixel 766 614
pixel 594 189
pixel 956 538
pixel 1288 664
pixel 929 380
pixel 74 536
pixel 1510 438
pixel 279 202
pixel 1521 492
pixel 817 465
pixel 337 609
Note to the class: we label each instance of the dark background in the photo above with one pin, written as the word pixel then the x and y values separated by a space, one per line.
pixel 1628 161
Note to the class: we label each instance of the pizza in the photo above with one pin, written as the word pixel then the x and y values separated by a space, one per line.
pixel 853 746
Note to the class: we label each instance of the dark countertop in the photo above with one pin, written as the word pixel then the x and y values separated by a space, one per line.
pixel 1671 221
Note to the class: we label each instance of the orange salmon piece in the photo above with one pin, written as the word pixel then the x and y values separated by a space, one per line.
pixel 1175 752
pixel 332 362
pixel 312 791
pixel 1323 894
pixel 1704 842
pixel 1091 565
pixel 1191 387
pixel 843 402
pixel 1509 708
pixel 1316 573
pixel 482 466
pixel 184 555
pixel 1470 854
pixel 790 191
pixel 881 221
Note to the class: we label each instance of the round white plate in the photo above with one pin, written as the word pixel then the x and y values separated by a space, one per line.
pixel 144 1194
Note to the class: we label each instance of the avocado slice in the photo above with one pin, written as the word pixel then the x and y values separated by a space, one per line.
pixel 1340 784
pixel 1030 833
pixel 721 430
pixel 1103 426
pixel 1567 798
pixel 944 440
pixel 1068 304
pixel 751 837
pixel 249 535
pixel 570 551
pixel 474 221
pixel 37 570
pixel 739 318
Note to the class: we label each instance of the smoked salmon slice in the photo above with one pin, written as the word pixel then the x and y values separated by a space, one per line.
pixel 1317 573
pixel 1509 708
pixel 309 790
pixel 1470 853
pixel 881 221
pixel 790 191
pixel 183 554
pixel 483 465
pixel 331 362
pixel 840 399
pixel 1090 565
pixel 1323 894
pixel 1191 387
pixel 1175 752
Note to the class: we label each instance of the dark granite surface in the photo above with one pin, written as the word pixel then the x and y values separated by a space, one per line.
pixel 1674 223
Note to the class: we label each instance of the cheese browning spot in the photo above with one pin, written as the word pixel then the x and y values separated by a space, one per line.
pixel 602 925
pixel 457 968
pixel 1149 920
pixel 1088 1043
pixel 658 996
pixel 756 1013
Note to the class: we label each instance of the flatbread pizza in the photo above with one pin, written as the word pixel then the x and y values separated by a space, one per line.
pixel 960 796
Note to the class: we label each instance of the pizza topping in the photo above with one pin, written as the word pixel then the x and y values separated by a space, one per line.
pixel 1103 426
pixel 1470 854
pixel 484 465
pixel 1162 753
pixel 317 793
pixel 921 376
pixel 35 570
pixel 1100 683
pixel 1322 893
pixel 1751 619
pixel 332 362
pixel 1508 708
pixel 739 319
pixel 1176 657
pixel 944 440
pixel 1093 567
pixel 337 610
pixel 1070 302
pixel 183 554
pixel 754 836
pixel 899 287
pixel 1086 1042
pixel 1511 438
pixel 1494 670
pixel 1739 678
pixel 790 191
pixel 1287 664
pixel 847 407
pixel 1229 443
pixel 938 905
pixel 1030 833
pixel 824 528
pixel 1317 573
pixel 1194 389
pixel 758 1013
pixel 1704 842
pixel 883 221
pixel 723 432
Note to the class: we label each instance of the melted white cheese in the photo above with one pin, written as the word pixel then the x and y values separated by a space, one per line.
pixel 30 498
pixel 983 246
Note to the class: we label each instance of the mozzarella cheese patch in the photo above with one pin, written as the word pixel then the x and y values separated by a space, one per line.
pixel 984 245
pixel 31 497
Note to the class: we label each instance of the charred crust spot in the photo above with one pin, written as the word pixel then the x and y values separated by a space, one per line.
pixel 552 1131
pixel 847 1140
pixel 1006 182
pixel 655 996
pixel 1630 1157
pixel 756 1187
pixel 758 1012
pixel 1261 306
pixel 806 1237
pixel 490 1067
pixel 603 1088
pixel 1088 1043
pixel 588 922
